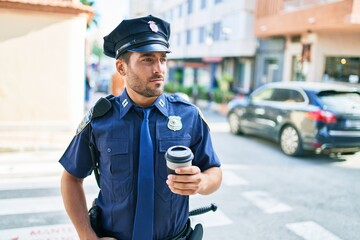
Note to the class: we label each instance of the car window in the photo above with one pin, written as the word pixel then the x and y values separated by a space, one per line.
pixel 342 102
pixel 287 95
pixel 264 95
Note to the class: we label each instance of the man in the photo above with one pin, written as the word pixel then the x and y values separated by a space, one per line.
pixel 117 84
pixel 140 47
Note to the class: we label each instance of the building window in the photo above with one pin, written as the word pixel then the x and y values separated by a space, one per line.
pixel 342 69
pixel 189 6
pixel 172 40
pixel 180 11
pixel 203 4
pixel 188 37
pixel 295 5
pixel 271 70
pixel 295 39
pixel 296 72
pixel 171 14
pixel 216 31
pixel 202 34
pixel 178 39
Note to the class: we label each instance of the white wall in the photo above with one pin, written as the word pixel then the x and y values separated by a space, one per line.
pixel 42 69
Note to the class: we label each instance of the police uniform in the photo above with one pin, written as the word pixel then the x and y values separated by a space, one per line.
pixel 116 136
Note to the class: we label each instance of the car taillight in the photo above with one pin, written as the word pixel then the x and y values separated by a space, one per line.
pixel 321 115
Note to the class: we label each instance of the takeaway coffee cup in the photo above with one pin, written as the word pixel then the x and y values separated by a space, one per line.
pixel 178 156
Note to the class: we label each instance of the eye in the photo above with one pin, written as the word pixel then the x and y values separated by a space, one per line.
pixel 163 60
pixel 148 60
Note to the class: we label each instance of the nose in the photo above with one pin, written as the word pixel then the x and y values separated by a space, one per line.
pixel 159 66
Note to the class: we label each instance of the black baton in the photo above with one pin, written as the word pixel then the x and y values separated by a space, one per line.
pixel 203 210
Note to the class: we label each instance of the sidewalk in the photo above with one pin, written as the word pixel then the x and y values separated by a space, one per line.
pixel 26 139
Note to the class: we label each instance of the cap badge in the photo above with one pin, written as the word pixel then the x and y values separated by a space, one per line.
pixel 174 123
pixel 153 26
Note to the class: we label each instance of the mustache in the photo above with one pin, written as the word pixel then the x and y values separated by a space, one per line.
pixel 157 76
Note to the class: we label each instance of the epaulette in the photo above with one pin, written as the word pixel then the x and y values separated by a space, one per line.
pixel 176 97
pixel 101 107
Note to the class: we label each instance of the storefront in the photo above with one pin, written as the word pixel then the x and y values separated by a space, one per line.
pixel 323 57
pixel 342 69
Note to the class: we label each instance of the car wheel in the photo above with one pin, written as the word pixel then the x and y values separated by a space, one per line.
pixel 290 141
pixel 234 123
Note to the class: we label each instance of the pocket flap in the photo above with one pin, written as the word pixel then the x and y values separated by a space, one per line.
pixel 164 145
pixel 113 147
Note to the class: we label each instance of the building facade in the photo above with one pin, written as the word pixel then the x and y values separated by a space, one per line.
pixel 212 41
pixel 312 40
pixel 249 43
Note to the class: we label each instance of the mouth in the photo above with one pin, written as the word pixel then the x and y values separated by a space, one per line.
pixel 157 79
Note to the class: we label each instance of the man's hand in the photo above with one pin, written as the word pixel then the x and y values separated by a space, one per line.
pixel 190 180
pixel 187 182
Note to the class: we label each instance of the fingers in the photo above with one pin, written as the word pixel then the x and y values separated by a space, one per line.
pixel 188 170
pixel 183 188
pixel 186 182
pixel 184 178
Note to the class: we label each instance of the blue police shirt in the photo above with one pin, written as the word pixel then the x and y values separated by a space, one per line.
pixel 116 136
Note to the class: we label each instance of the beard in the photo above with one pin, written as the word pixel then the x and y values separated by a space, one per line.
pixel 145 87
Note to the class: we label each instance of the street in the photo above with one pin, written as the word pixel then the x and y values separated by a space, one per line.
pixel 264 194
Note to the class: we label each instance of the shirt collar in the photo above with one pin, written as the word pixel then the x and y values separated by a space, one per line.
pixel 126 103
pixel 160 104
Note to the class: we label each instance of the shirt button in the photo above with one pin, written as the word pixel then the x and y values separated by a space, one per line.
pixel 109 150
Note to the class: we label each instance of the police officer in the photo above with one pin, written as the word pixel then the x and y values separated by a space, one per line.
pixel 140 47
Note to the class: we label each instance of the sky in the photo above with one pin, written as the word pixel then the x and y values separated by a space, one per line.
pixel 110 14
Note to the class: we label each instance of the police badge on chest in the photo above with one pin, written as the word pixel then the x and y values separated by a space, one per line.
pixel 174 123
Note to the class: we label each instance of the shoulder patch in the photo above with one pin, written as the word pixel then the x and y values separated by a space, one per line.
pixel 86 120
pixel 101 107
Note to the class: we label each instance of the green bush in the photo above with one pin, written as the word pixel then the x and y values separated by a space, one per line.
pixel 184 89
pixel 171 87
pixel 222 96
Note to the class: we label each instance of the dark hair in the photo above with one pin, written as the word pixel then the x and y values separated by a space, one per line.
pixel 125 57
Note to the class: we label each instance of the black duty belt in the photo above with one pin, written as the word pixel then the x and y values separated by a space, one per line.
pixel 184 233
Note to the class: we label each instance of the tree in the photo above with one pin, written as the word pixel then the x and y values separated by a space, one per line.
pixel 95 18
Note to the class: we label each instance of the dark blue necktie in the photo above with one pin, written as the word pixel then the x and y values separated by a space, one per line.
pixel 144 214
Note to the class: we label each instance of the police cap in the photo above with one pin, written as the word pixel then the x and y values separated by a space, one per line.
pixel 145 34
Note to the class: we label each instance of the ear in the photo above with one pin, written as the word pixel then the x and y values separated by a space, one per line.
pixel 121 67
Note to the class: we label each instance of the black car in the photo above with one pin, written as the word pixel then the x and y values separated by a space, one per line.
pixel 301 116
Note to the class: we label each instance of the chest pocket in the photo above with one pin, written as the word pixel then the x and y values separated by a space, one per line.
pixel 161 187
pixel 116 167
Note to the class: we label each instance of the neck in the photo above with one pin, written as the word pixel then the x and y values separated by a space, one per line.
pixel 139 99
